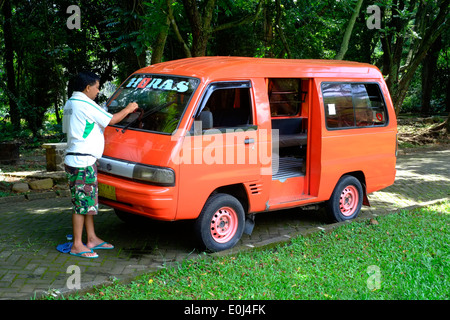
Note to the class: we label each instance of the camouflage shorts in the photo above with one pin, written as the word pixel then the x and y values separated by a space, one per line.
pixel 84 189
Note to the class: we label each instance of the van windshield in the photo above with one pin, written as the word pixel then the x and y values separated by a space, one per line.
pixel 162 100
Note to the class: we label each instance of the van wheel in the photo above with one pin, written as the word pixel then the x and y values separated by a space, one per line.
pixel 221 223
pixel 346 200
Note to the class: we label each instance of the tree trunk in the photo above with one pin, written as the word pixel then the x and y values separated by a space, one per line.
pixel 131 60
pixel 428 69
pixel 348 31
pixel 268 31
pixel 280 31
pixel 447 127
pixel 160 42
pixel 399 77
pixel 174 25
pixel 200 21
pixel 200 25
pixel 9 65
pixel 447 95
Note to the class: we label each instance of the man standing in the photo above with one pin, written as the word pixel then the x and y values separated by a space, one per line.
pixel 84 122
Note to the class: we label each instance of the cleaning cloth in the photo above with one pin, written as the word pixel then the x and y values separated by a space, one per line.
pixel 65 247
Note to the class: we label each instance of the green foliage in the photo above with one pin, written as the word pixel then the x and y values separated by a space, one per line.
pixel 51 131
pixel 118 37
pixel 403 256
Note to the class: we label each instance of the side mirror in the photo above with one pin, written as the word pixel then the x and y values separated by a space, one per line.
pixel 113 104
pixel 206 118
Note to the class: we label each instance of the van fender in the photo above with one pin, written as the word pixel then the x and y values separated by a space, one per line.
pixel 365 198
pixel 362 179
pixel 240 192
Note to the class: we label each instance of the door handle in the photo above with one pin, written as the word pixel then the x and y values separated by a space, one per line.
pixel 249 141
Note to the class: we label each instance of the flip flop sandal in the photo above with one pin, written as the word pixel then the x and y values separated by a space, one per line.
pixel 101 246
pixel 80 254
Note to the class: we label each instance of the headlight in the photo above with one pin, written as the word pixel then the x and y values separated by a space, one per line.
pixel 157 175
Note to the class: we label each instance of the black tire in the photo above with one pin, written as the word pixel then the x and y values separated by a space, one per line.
pixel 346 200
pixel 221 222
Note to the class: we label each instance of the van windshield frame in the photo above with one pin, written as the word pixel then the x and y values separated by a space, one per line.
pixel 162 101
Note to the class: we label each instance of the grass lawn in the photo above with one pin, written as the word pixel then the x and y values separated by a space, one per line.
pixel 404 255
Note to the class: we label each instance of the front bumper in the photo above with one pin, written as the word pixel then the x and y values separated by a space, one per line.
pixel 156 202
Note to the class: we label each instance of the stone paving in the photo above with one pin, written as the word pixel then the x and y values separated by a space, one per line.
pixel 30 230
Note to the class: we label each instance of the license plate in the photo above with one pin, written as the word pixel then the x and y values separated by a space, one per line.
pixel 106 191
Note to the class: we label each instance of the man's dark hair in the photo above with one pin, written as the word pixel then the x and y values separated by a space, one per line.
pixel 83 79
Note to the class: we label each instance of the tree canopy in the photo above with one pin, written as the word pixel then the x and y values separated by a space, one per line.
pixel 42 46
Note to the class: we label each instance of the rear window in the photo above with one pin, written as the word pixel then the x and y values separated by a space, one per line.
pixel 352 105
pixel 162 100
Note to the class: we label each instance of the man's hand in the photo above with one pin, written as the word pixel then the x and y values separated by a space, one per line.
pixel 131 107
pixel 117 117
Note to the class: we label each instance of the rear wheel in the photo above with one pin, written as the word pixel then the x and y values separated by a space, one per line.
pixel 346 200
pixel 221 223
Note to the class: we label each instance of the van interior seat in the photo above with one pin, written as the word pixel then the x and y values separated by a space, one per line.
pixel 290 132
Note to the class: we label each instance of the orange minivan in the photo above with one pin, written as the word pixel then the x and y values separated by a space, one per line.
pixel 219 139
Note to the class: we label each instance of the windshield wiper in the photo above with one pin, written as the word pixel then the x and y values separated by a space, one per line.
pixel 148 113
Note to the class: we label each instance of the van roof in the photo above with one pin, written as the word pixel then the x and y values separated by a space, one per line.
pixel 240 67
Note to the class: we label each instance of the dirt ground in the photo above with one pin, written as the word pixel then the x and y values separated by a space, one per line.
pixel 422 132
pixel 32 160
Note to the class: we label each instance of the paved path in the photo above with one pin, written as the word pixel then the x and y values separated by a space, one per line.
pixel 31 266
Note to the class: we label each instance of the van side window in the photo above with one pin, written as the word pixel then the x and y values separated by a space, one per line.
pixel 285 97
pixel 230 107
pixel 337 98
pixel 349 105
pixel 370 109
